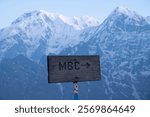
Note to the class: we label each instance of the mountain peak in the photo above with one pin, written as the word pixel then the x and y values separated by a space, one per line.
pixel 127 12
pixel 122 9
pixel 45 17
pixel 121 17
pixel 36 14
pixel 124 14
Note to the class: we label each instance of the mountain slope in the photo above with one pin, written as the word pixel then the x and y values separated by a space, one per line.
pixel 122 41
pixel 37 33
pixel 22 78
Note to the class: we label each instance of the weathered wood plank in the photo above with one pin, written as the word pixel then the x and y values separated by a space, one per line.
pixel 73 68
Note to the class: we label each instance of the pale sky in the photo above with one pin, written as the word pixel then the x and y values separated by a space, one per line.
pixel 100 9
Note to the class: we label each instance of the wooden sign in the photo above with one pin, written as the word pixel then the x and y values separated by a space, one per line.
pixel 73 68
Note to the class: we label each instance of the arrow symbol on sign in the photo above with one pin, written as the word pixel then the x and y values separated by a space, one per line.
pixel 87 65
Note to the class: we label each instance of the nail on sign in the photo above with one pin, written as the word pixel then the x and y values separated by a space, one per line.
pixel 73 68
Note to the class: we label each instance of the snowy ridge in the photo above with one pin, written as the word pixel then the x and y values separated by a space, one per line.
pixel 127 11
pixel 51 31
pixel 77 22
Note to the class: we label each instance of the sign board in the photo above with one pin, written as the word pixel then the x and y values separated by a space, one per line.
pixel 73 68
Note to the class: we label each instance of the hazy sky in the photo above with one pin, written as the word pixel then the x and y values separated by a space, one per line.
pixel 11 9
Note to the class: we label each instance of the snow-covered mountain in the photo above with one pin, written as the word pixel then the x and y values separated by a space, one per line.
pixel 148 19
pixel 122 41
pixel 37 33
